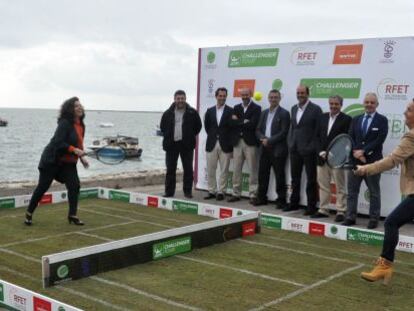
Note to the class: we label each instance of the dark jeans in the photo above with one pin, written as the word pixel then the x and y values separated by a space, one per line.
pixel 66 174
pixel 373 184
pixel 171 158
pixel 268 161
pixel 402 214
pixel 297 162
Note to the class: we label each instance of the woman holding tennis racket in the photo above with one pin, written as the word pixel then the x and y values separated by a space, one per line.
pixel 59 159
pixel 403 154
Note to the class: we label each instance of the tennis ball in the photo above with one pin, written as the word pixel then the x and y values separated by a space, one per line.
pixel 258 96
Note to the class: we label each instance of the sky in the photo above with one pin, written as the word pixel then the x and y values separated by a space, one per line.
pixel 133 55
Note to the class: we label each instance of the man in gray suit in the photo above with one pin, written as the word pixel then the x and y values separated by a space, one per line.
pixel 272 132
pixel 303 142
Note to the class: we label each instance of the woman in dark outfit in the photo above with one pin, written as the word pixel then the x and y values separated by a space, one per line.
pixel 59 158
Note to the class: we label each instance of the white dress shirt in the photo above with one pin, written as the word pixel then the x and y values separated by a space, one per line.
pixel 301 111
pixel 219 113
pixel 269 120
pixel 332 119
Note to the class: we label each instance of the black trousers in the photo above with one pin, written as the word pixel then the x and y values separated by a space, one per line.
pixel 65 173
pixel 401 215
pixel 297 162
pixel 171 158
pixel 268 161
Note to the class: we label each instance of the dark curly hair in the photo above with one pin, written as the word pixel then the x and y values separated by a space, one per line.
pixel 67 110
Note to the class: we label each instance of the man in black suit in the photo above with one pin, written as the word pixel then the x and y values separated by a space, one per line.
pixel 246 117
pixel 180 125
pixel 368 132
pixel 303 142
pixel 332 124
pixel 272 132
pixel 218 125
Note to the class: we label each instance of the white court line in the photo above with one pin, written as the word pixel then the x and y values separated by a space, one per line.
pixel 94 236
pixel 69 290
pixel 263 276
pixel 30 258
pixel 307 288
pixel 145 294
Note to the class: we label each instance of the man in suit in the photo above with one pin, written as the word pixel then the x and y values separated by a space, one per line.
pixel 180 124
pixel 246 117
pixel 368 132
pixel 332 124
pixel 302 142
pixel 272 132
pixel 218 125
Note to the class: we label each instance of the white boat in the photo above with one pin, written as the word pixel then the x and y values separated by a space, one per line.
pixel 106 124
pixel 129 144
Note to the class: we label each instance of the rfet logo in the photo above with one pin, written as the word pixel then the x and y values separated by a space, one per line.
pixel 46 199
pixel 41 304
pixel 297 225
pixel 18 299
pixel 226 212
pixel 152 201
pixel 348 54
pixel 405 245
pixel 301 56
pixel 243 84
pixel 391 89
pixel 249 228
pixel 316 229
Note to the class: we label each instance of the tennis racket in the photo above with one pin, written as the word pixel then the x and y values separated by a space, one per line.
pixel 108 155
pixel 339 152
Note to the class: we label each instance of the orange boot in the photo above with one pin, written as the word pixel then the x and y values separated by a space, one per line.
pixel 382 270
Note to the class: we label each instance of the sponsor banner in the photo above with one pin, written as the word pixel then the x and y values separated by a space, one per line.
pixel 138 198
pixel 152 201
pixel 348 54
pixel 7 203
pixel 103 193
pixel 91 193
pixel 226 212
pixel 119 196
pixel 209 210
pixel 243 84
pixel 46 199
pixel 316 228
pixel 303 57
pixel 171 247
pixel 326 87
pixel 40 304
pixel 185 207
pixel 165 203
pixel 1 292
pixel 22 200
pixel 271 221
pixel 297 225
pixel 392 89
pixel 249 228
pixel 244 186
pixel 406 244
pixel 60 196
pixel 335 231
pixel 365 236
pixel 253 58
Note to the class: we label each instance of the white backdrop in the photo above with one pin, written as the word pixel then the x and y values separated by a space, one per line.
pixel 350 68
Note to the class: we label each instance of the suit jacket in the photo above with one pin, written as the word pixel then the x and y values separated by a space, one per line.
pixel 340 126
pixel 65 136
pixel 191 126
pixel 372 142
pixel 245 126
pixel 402 154
pixel 220 132
pixel 279 131
pixel 303 136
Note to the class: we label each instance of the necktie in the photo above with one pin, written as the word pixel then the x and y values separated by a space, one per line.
pixel 365 124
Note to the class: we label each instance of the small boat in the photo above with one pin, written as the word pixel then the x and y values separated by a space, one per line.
pixel 3 122
pixel 106 124
pixel 129 144
pixel 158 131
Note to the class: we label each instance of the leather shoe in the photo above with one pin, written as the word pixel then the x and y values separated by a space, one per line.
pixel 233 199
pixel 319 215
pixel 290 208
pixel 258 202
pixel 220 197
pixel 167 195
pixel 372 224
pixel 348 222
pixel 209 196
pixel 309 212
pixel 188 195
pixel 339 218
pixel 280 204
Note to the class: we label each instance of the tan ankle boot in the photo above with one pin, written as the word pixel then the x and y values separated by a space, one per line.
pixel 382 271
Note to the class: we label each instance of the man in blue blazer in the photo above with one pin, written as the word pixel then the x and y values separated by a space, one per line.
pixel 272 132
pixel 368 132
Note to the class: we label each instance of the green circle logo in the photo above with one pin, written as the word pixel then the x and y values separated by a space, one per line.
pixel 102 191
pixel 354 110
pixel 61 308
pixel 164 202
pixel 277 84
pixel 239 213
pixel 211 57
pixel 63 195
pixel 366 195
pixel 334 230
pixel 63 271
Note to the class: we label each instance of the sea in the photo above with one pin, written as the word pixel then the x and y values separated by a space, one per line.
pixel 30 130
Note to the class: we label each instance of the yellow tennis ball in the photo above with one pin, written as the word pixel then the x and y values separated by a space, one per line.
pixel 258 96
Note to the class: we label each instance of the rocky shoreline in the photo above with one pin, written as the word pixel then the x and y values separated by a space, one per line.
pixel 115 181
